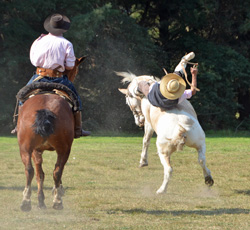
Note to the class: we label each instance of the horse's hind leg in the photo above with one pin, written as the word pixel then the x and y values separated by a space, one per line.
pixel 202 161
pixel 165 161
pixel 58 190
pixel 164 152
pixel 38 160
pixel 29 172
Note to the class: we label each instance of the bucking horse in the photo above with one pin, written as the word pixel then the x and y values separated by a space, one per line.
pixel 175 128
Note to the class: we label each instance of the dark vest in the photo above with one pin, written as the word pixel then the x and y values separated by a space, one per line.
pixel 157 99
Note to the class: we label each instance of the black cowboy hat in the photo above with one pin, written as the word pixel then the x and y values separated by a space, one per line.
pixel 56 24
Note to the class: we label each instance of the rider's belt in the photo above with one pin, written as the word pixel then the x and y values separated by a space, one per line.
pixel 48 72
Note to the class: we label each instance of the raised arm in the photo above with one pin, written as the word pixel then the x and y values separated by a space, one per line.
pixel 194 72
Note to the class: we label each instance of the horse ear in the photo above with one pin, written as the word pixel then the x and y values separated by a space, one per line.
pixel 81 59
pixel 124 91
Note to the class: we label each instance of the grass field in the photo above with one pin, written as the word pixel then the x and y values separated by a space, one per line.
pixel 105 189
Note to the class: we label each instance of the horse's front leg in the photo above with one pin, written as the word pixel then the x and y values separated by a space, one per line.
pixel 202 161
pixel 38 160
pixel 148 132
pixel 29 172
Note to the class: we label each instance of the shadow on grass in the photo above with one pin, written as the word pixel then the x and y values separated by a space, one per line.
pixel 243 192
pixel 212 212
pixel 21 188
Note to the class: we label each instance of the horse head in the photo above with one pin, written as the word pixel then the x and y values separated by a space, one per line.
pixel 73 72
pixel 133 96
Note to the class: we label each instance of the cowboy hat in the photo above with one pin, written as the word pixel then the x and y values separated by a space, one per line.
pixel 172 86
pixel 56 24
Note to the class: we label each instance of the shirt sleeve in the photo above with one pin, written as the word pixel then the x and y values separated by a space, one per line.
pixel 33 53
pixel 186 95
pixel 33 50
pixel 70 56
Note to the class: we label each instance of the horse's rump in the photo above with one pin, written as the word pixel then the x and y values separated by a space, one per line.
pixel 44 115
pixel 187 107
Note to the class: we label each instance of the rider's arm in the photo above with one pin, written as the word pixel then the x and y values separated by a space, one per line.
pixel 194 72
pixel 70 57
pixel 188 93
pixel 69 67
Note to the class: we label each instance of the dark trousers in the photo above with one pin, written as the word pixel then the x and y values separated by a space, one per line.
pixel 62 80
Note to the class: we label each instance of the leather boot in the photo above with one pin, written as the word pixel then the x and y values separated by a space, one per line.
pixel 79 132
pixel 183 62
pixel 14 131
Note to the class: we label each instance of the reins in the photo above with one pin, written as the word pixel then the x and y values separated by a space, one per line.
pixel 135 112
pixel 185 73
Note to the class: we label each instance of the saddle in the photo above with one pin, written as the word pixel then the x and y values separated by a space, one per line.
pixel 36 88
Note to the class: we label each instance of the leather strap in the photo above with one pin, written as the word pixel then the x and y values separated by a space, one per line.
pixel 48 72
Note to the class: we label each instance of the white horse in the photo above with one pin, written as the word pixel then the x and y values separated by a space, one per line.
pixel 174 128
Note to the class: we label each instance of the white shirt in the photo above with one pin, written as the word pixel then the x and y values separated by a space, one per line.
pixel 186 95
pixel 50 51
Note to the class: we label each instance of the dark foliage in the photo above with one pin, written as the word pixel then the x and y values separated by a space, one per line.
pixel 140 36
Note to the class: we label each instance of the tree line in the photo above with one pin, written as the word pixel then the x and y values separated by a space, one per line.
pixel 141 36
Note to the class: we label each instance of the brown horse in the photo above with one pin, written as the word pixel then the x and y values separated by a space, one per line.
pixel 45 122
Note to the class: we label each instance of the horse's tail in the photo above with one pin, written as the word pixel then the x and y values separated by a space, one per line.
pixel 180 139
pixel 185 123
pixel 44 124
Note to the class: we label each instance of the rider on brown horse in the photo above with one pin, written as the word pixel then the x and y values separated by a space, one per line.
pixel 52 54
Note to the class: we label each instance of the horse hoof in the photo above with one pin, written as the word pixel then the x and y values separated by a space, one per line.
pixel 58 206
pixel 42 206
pixel 209 181
pixel 26 206
pixel 160 191
pixel 143 165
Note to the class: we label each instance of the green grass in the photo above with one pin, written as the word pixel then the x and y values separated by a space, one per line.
pixel 105 189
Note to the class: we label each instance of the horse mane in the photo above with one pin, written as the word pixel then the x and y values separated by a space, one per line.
pixel 127 76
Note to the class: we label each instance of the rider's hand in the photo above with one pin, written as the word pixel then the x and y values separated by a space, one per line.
pixel 194 70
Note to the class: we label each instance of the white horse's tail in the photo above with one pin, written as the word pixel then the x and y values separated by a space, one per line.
pixel 179 140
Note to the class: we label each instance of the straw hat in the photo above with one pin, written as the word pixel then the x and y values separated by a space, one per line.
pixel 172 86
pixel 56 24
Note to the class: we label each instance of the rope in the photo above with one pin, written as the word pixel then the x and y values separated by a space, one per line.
pixel 38 78
pixel 15 112
pixel 185 73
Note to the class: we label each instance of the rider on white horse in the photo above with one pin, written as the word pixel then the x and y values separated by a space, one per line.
pixel 171 90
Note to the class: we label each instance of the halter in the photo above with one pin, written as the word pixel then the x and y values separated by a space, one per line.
pixel 185 73
pixel 139 113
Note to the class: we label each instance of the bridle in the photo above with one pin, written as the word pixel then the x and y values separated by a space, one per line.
pixel 135 112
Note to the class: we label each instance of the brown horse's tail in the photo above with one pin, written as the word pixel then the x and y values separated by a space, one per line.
pixel 45 123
